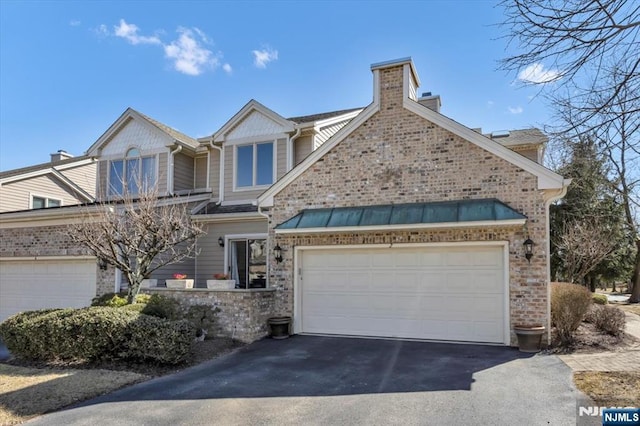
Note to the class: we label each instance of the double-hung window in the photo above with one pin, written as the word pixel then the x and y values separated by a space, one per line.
pixel 254 165
pixel 132 175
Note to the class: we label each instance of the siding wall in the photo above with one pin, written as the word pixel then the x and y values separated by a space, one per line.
pixel 83 176
pixel 182 172
pixel 281 162
pixel 214 172
pixel 211 257
pixel 303 146
pixel 326 132
pixel 200 172
pixel 17 195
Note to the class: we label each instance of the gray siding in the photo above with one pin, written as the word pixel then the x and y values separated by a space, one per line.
pixel 281 161
pixel 163 166
pixel 101 184
pixel 326 132
pixel 200 172
pixel 17 195
pixel 182 172
pixel 214 172
pixel 303 146
pixel 211 257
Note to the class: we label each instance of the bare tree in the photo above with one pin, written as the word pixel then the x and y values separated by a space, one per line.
pixel 584 244
pixel 575 40
pixel 138 235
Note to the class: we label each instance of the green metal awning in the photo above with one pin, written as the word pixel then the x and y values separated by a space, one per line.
pixel 462 213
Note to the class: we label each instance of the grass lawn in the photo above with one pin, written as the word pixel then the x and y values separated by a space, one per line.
pixel 29 392
pixel 610 389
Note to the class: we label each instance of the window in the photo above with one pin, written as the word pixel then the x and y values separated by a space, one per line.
pixel 132 174
pixel 254 165
pixel 248 262
pixel 44 202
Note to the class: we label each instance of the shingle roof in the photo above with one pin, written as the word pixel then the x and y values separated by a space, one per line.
pixel 214 208
pixel 42 166
pixel 531 136
pixel 321 116
pixel 403 214
pixel 171 132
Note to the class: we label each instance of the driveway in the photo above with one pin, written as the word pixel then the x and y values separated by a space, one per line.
pixel 337 381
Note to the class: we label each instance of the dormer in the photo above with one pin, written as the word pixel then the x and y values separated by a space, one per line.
pixel 138 152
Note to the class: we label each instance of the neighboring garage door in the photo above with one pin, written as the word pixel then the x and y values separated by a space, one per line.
pixel 442 293
pixel 26 285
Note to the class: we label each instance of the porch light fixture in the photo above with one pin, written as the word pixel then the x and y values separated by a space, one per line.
pixel 221 241
pixel 102 264
pixel 277 253
pixel 528 249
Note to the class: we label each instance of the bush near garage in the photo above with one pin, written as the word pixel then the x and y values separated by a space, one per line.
pixel 97 333
pixel 569 305
pixel 607 319
pixel 115 300
pixel 600 299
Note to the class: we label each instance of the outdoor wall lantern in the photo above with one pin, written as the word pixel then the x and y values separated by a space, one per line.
pixel 221 241
pixel 528 249
pixel 277 253
pixel 102 264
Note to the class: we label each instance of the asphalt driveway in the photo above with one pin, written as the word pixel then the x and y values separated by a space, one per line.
pixel 337 381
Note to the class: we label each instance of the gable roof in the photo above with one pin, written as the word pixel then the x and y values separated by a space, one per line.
pixel 131 113
pixel 547 179
pixel 53 169
pixel 244 112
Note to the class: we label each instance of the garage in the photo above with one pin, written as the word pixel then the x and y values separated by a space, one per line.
pixel 29 284
pixel 455 292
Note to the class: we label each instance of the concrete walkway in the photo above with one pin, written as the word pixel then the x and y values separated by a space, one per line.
pixel 626 360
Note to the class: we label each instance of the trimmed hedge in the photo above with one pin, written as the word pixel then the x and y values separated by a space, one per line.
pixel 97 333
pixel 599 299
pixel 569 305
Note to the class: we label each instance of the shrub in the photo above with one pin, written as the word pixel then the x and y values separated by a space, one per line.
pixel 115 300
pixel 608 319
pixel 600 299
pixel 162 307
pixel 96 333
pixel 569 305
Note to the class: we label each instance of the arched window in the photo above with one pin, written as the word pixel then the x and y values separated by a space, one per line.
pixel 132 174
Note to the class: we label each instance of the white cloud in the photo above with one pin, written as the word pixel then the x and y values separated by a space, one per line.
pixel 262 57
pixel 536 73
pixel 102 30
pixel 74 23
pixel 490 104
pixel 188 54
pixel 515 110
pixel 227 68
pixel 130 33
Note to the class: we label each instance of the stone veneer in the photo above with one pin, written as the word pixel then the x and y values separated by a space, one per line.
pixel 243 313
pixel 43 241
pixel 397 156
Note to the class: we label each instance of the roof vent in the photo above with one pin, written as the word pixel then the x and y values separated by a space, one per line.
pixel 426 94
pixel 500 134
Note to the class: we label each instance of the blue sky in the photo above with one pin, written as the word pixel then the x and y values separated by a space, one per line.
pixel 69 69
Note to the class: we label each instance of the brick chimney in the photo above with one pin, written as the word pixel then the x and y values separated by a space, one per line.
pixel 430 101
pixel 56 157
pixel 394 81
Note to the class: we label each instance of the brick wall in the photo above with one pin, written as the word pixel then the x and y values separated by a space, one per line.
pixel 399 157
pixel 43 241
pixel 243 313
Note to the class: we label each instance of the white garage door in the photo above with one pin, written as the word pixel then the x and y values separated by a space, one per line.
pixel 26 285
pixel 441 293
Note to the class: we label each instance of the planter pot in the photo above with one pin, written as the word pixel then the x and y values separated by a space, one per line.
pixel 279 327
pixel 179 284
pixel 529 337
pixel 221 284
pixel 148 283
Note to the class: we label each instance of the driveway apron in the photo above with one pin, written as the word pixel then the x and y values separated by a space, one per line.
pixel 343 381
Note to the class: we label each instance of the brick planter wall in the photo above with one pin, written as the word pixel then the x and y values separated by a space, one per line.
pixel 243 313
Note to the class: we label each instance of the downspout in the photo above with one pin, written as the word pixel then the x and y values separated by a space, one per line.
pixel 172 168
pixel 559 195
pixel 221 177
pixel 290 148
